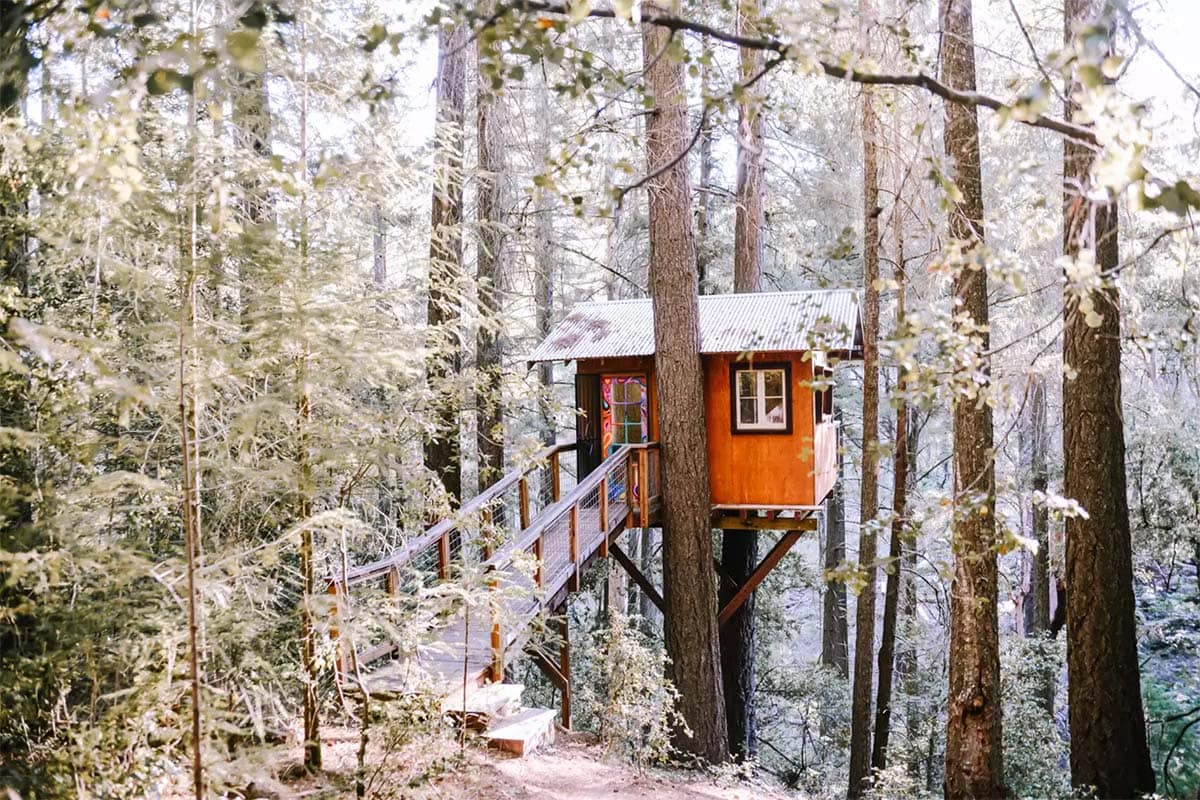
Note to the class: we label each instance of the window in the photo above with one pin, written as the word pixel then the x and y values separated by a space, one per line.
pixel 761 398
pixel 624 409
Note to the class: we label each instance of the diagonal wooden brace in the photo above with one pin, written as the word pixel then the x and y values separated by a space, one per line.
pixel 764 567
pixel 641 580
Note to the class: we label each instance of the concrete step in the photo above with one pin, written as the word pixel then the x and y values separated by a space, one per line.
pixel 483 704
pixel 523 732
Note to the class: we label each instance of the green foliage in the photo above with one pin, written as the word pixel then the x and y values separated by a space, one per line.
pixel 1174 736
pixel 635 706
pixel 1035 753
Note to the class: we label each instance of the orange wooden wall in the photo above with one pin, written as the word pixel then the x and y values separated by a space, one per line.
pixel 759 468
pixel 746 468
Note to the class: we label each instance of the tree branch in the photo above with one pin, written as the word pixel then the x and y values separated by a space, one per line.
pixel 917 80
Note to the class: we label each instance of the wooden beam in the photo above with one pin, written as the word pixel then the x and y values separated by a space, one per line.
pixel 747 523
pixel 564 666
pixel 573 547
pixel 756 577
pixel 555 483
pixel 523 492
pixel 641 580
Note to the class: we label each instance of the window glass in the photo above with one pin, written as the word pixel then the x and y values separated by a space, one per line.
pixel 761 401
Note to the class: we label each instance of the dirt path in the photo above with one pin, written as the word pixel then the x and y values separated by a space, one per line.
pixel 575 770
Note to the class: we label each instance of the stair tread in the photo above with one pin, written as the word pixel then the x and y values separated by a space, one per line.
pixel 489 699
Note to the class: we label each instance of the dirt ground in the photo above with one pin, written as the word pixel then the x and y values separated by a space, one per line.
pixel 575 768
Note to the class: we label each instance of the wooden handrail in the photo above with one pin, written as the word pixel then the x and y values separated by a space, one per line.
pixel 480 502
pixel 552 513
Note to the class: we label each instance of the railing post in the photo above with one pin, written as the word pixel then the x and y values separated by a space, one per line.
pixel 523 491
pixel 630 481
pixel 644 487
pixel 604 515
pixel 497 640
pixel 537 553
pixel 485 523
pixel 444 556
pixel 573 547
pixel 555 485
pixel 393 581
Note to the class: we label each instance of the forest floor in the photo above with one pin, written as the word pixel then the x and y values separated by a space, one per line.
pixel 575 768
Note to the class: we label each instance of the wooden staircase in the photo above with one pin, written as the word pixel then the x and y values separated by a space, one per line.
pixel 524 514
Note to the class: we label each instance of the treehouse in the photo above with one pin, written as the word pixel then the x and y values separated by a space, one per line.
pixel 772 452
pixel 768 399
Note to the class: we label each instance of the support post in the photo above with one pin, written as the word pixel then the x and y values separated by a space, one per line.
pixel 644 488
pixel 764 567
pixel 497 640
pixel 604 515
pixel 630 481
pixel 573 548
pixel 641 580
pixel 564 665
pixel 537 553
pixel 523 491
pixel 444 556
pixel 555 484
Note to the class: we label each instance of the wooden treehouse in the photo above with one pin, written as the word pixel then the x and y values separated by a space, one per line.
pixel 772 450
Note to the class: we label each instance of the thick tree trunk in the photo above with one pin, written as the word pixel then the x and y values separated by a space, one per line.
pixel 442 449
pixel 689 591
pixel 739 549
pixel 864 626
pixel 974 766
pixel 748 223
pixel 1106 719
pixel 489 436
pixel 704 201
pixel 891 595
pixel 834 645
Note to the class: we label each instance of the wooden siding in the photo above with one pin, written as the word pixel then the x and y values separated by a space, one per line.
pixel 765 469
pixel 760 468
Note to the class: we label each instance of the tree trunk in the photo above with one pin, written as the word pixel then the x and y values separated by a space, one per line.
pixel 739 549
pixel 834 645
pixel 974 766
pixel 489 404
pixel 704 202
pixel 688 586
pixel 864 628
pixel 379 270
pixel 543 278
pixel 442 449
pixel 1107 724
pixel 906 655
pixel 891 595
pixel 748 222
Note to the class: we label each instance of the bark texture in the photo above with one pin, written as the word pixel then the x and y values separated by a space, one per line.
pixel 748 222
pixel 1038 617
pixel 442 449
pixel 739 549
pixel 1105 715
pixel 489 436
pixel 891 594
pixel 864 611
pixel 543 275
pixel 689 591
pixel 834 645
pixel 974 767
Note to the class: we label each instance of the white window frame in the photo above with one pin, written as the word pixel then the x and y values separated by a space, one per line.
pixel 760 396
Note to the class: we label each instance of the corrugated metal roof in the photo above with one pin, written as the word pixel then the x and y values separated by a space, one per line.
pixel 729 323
